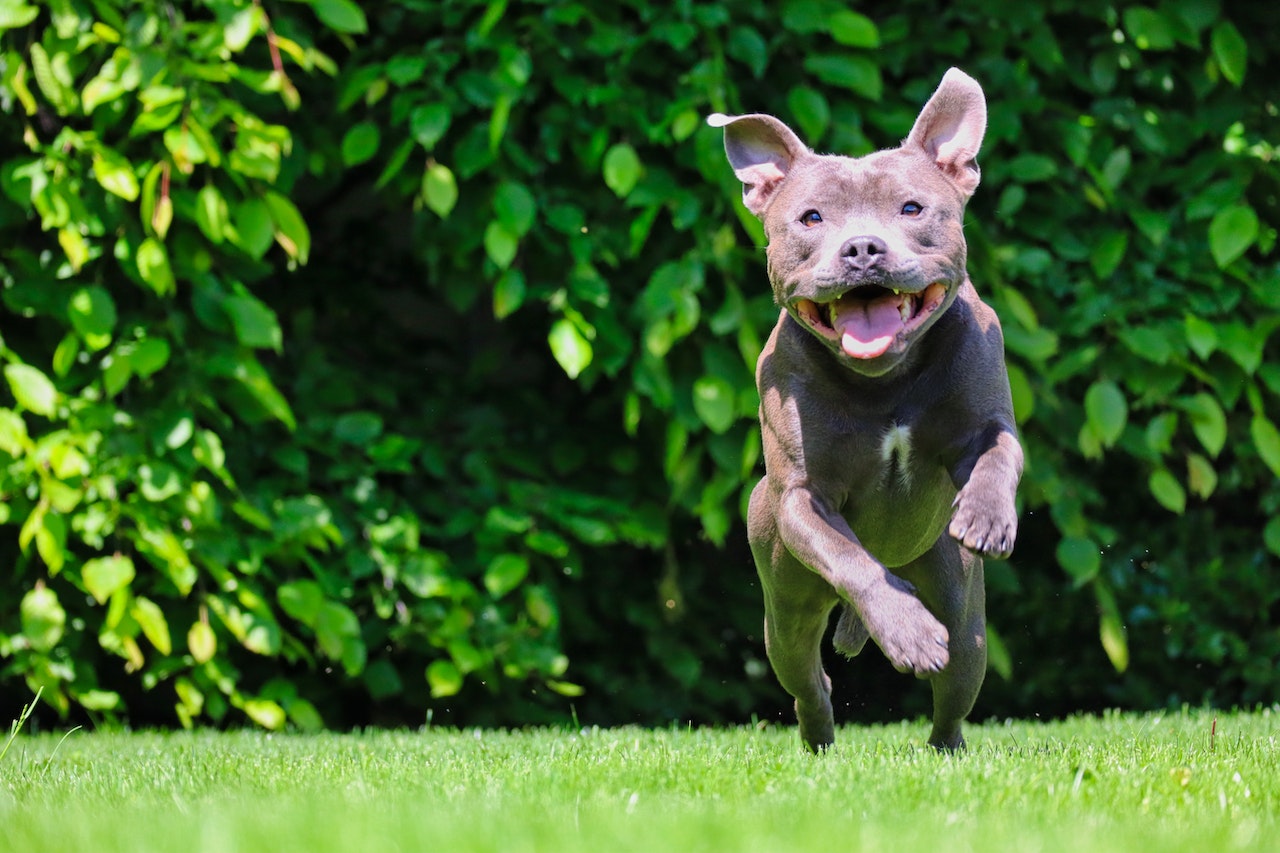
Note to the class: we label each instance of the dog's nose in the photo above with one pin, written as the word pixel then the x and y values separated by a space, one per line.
pixel 863 252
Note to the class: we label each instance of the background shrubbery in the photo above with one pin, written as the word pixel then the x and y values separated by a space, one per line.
pixel 359 364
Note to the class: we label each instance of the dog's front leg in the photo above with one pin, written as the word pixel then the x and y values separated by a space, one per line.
pixel 819 537
pixel 985 519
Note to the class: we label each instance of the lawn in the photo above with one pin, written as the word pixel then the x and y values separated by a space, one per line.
pixel 1158 782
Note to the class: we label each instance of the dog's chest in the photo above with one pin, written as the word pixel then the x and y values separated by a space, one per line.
pixel 899 498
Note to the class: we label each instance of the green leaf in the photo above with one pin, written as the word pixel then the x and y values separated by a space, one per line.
pixel 360 144
pixel 1208 421
pixel 1079 557
pixel 1231 232
pixel 1167 490
pixel 115 174
pixel 1230 51
pixel 500 244
pixel 255 324
pixel 504 573
pixel 43 619
pixel 149 356
pixel 103 576
pixel 13 433
pixel 1155 344
pixel 515 207
pixel 301 600
pixel 1148 28
pixel 92 312
pixel 1160 432
pixel 254 230
pixel 853 29
pixel 1108 254
pixel 714 401
pixel 747 46
pixel 264 712
pixel 1032 168
pixel 153 266
pixel 1111 627
pixel 859 74
pixel 622 169
pixel 1202 336
pixel 444 678
pixel 570 347
pixel 1107 410
pixel 429 123
pixel 1202 479
pixel 32 389
pixel 202 642
pixel 565 688
pixel 508 293
pixel 151 619
pixel 15 14
pixel 291 229
pixel 1266 438
pixel 439 189
pixel 1271 536
pixel 359 428
pixel 336 628
pixel 1244 344
pixel 212 215
pixel 341 15
pixel 811 112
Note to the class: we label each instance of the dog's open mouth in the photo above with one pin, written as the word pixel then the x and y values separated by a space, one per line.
pixel 866 321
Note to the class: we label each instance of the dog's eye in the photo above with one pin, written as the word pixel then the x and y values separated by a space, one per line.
pixel 912 208
pixel 811 218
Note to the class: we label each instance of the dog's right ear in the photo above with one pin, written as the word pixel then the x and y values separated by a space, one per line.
pixel 761 150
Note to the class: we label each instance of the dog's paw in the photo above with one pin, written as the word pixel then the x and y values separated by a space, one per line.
pixel 909 635
pixel 984 524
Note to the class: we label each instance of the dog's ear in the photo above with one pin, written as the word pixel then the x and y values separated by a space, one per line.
pixel 950 127
pixel 761 150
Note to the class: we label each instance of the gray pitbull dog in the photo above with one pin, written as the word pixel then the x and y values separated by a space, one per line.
pixel 891 454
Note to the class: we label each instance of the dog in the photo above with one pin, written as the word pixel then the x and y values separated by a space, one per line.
pixel 891 452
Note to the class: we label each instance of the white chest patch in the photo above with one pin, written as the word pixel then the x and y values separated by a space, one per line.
pixel 895 451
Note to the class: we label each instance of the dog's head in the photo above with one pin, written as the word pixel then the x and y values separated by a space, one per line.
pixel 866 253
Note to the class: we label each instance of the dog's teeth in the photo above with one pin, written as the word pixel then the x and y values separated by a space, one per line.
pixel 904 309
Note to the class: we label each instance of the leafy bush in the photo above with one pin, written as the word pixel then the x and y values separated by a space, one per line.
pixel 362 365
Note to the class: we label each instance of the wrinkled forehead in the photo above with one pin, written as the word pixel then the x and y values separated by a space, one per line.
pixel 881 178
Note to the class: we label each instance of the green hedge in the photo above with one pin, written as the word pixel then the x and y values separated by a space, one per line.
pixel 361 367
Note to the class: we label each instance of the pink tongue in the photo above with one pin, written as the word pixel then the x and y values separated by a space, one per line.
pixel 867 329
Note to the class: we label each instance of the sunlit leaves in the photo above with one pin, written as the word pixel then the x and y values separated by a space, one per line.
pixel 152 259
pixel 439 189
pixel 32 389
pixel 43 618
pixel 570 346
pixel 103 576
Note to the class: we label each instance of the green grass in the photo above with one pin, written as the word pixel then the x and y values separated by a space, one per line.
pixel 1158 783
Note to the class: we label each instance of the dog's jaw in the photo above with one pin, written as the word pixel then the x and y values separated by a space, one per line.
pixel 871 324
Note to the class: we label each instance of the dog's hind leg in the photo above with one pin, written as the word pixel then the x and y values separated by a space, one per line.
pixel 793 639
pixel 851 634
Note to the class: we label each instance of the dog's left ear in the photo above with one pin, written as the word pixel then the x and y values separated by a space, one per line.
pixel 761 150
pixel 950 127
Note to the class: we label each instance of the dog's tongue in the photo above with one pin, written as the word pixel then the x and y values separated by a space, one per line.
pixel 868 328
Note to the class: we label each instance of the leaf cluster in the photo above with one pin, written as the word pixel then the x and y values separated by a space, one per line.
pixel 359 364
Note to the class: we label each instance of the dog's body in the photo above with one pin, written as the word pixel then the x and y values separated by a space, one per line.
pixel 890 448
